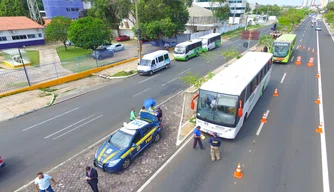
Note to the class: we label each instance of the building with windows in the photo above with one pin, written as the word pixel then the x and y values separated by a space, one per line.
pixel 20 31
pixel 66 8
pixel 237 8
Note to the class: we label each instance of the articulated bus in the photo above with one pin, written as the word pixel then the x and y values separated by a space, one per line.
pixel 186 50
pixel 211 41
pixel 226 100
pixel 283 47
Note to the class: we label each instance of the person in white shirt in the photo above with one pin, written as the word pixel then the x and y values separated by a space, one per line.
pixel 213 103
pixel 43 184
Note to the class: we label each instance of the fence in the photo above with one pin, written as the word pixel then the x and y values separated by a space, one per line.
pixel 17 78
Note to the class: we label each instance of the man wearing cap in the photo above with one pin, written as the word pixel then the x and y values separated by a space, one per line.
pixel 215 144
pixel 197 137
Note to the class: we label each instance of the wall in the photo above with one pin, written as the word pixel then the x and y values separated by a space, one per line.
pixel 10 43
pixel 55 8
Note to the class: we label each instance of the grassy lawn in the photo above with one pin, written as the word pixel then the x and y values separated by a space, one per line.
pixel 237 32
pixel 34 57
pixel 71 53
pixel 123 73
pixel 193 120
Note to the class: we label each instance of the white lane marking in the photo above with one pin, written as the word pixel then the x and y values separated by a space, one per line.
pixel 171 81
pixel 261 125
pixel 184 71
pixel 283 77
pixel 88 148
pixel 40 123
pixel 301 40
pixel 163 166
pixel 303 34
pixel 149 78
pixel 77 127
pixel 141 92
pixel 68 126
pixel 325 177
pixel 292 58
pixel 236 41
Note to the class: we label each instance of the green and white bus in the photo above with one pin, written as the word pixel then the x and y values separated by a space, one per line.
pixel 211 41
pixel 283 47
pixel 186 50
pixel 226 100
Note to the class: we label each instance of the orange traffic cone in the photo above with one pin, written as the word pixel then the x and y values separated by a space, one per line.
pixel 317 101
pixel 317 76
pixel 299 60
pixel 237 172
pixel 264 118
pixel 311 62
pixel 308 49
pixel 275 93
pixel 319 129
pixel 312 50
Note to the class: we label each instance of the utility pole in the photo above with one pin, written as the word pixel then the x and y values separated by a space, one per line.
pixel 24 67
pixel 235 9
pixel 246 23
pixel 138 32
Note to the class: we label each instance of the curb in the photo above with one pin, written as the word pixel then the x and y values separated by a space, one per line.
pixel 328 28
pixel 110 77
pixel 53 99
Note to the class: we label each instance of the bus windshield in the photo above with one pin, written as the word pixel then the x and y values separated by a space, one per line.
pixel 145 62
pixel 217 108
pixel 180 50
pixel 281 49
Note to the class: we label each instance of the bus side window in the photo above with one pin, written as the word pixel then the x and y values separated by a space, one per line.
pixel 264 72
pixel 243 97
pixel 254 84
pixel 187 49
pixel 248 91
pixel 270 63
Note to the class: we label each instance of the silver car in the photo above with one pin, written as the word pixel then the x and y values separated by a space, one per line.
pixel 116 47
pixel 318 28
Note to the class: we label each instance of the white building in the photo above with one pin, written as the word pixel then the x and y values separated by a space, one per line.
pixel 20 31
pixel 237 8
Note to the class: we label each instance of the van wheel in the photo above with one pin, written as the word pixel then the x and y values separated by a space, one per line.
pixel 151 72
pixel 197 54
pixel 167 66
pixel 187 58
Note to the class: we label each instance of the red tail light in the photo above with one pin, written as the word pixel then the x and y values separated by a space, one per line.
pixel 0 160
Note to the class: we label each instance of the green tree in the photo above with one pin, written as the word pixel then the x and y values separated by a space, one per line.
pixel 285 22
pixel 330 17
pixel 112 12
pixel 230 53
pixel 267 41
pixel 88 32
pixel 248 9
pixel 196 80
pixel 158 18
pixel 222 11
pixel 11 8
pixel 330 6
pixel 57 30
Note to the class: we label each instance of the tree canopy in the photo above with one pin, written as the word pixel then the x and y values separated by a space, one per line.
pixel 11 8
pixel 292 17
pixel 222 11
pixel 57 29
pixel 111 12
pixel 159 18
pixel 266 40
pixel 330 6
pixel 271 9
pixel 88 32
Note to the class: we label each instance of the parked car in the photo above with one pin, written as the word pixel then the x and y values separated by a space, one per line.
pixel 2 163
pixel 123 38
pixel 318 28
pixel 116 47
pixel 102 53
pixel 127 142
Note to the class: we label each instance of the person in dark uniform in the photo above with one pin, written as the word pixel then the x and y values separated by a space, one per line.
pixel 92 178
pixel 215 143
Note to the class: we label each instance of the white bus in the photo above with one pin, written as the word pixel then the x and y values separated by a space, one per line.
pixel 211 41
pixel 229 97
pixel 186 50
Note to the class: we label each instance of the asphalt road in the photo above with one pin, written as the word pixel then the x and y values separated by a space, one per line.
pixel 286 154
pixel 43 139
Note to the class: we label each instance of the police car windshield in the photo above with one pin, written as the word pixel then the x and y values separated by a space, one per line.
pixel 121 139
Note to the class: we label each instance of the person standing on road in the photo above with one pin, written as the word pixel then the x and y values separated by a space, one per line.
pixel 197 138
pixel 151 108
pixel 92 178
pixel 142 109
pixel 215 144
pixel 43 184
pixel 133 114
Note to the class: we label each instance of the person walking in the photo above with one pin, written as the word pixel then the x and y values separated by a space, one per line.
pixel 133 114
pixel 158 114
pixel 43 184
pixel 92 178
pixel 215 144
pixel 197 138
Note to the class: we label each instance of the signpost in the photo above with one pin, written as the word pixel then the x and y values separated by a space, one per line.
pixel 250 35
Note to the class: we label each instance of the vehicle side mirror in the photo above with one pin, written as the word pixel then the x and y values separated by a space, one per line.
pixel 134 145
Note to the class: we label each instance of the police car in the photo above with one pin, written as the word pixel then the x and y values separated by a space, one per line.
pixel 127 142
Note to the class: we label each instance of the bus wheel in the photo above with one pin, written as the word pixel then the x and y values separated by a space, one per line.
pixel 262 90
pixel 197 54
pixel 187 58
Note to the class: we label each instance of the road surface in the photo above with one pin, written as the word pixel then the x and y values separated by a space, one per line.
pixel 43 139
pixel 286 155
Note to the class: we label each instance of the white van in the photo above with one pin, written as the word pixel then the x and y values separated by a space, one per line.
pixel 153 62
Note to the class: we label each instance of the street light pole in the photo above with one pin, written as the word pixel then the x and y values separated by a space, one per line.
pixel 246 23
pixel 235 9
pixel 24 67
pixel 138 31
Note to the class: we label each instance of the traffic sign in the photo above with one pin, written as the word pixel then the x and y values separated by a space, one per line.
pixel 250 35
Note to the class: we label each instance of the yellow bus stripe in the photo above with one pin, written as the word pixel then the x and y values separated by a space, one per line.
pixel 101 153
pixel 110 156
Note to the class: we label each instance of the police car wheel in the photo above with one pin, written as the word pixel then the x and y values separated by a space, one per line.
pixel 126 163
pixel 157 137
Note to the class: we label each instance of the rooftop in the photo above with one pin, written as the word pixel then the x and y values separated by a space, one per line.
pixel 18 23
